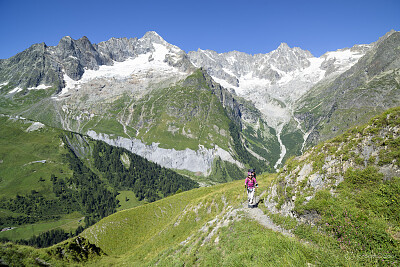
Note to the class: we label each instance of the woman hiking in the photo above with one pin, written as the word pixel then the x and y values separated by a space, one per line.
pixel 251 184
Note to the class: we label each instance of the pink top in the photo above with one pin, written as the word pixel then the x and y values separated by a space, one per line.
pixel 250 182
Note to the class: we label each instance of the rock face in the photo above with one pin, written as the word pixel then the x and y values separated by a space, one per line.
pixel 35 67
pixel 195 161
pixel 44 65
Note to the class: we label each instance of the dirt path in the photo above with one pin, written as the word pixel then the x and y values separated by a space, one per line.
pixel 263 219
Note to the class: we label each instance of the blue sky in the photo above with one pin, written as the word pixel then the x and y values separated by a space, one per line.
pixel 251 26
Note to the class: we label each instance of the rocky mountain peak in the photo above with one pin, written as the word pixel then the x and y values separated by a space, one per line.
pixel 153 37
pixel 84 40
pixel 65 38
pixel 388 34
pixel 65 42
pixel 38 47
pixel 283 46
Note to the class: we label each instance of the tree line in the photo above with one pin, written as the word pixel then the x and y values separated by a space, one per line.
pixel 146 179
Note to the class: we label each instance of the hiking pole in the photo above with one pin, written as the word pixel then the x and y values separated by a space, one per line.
pixel 245 191
pixel 255 197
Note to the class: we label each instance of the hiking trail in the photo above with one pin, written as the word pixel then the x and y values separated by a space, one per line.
pixel 258 215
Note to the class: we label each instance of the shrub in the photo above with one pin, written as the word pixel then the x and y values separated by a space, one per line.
pixel 360 178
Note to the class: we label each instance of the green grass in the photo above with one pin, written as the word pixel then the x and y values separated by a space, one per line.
pixel 22 101
pixel 17 255
pixel 361 214
pixel 198 177
pixel 109 126
pixel 247 243
pixel 68 223
pixel 175 219
pixel 128 200
pixel 137 235
pixel 347 117
pixel 19 149
pixel 170 232
pixel 73 252
pixel 91 124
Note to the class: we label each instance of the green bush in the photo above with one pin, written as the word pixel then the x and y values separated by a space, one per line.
pixel 357 178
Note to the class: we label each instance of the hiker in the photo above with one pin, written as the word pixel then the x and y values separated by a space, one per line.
pixel 251 184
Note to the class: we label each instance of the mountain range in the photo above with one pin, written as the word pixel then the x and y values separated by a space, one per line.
pixel 144 95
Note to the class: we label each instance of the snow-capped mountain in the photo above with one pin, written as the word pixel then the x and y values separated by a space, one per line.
pixel 115 87
pixel 281 76
pixel 75 62
pixel 139 61
pixel 274 81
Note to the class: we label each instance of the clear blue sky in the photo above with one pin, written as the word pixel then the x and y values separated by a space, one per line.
pixel 251 26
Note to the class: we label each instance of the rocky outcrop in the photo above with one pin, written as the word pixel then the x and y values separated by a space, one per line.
pixel 118 49
pixel 30 68
pixel 194 161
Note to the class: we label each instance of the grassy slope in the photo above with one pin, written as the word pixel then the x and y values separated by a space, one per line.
pixel 335 106
pixel 376 95
pixel 68 222
pixel 171 232
pixel 247 243
pixel 146 230
pixel 359 225
pixel 18 175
